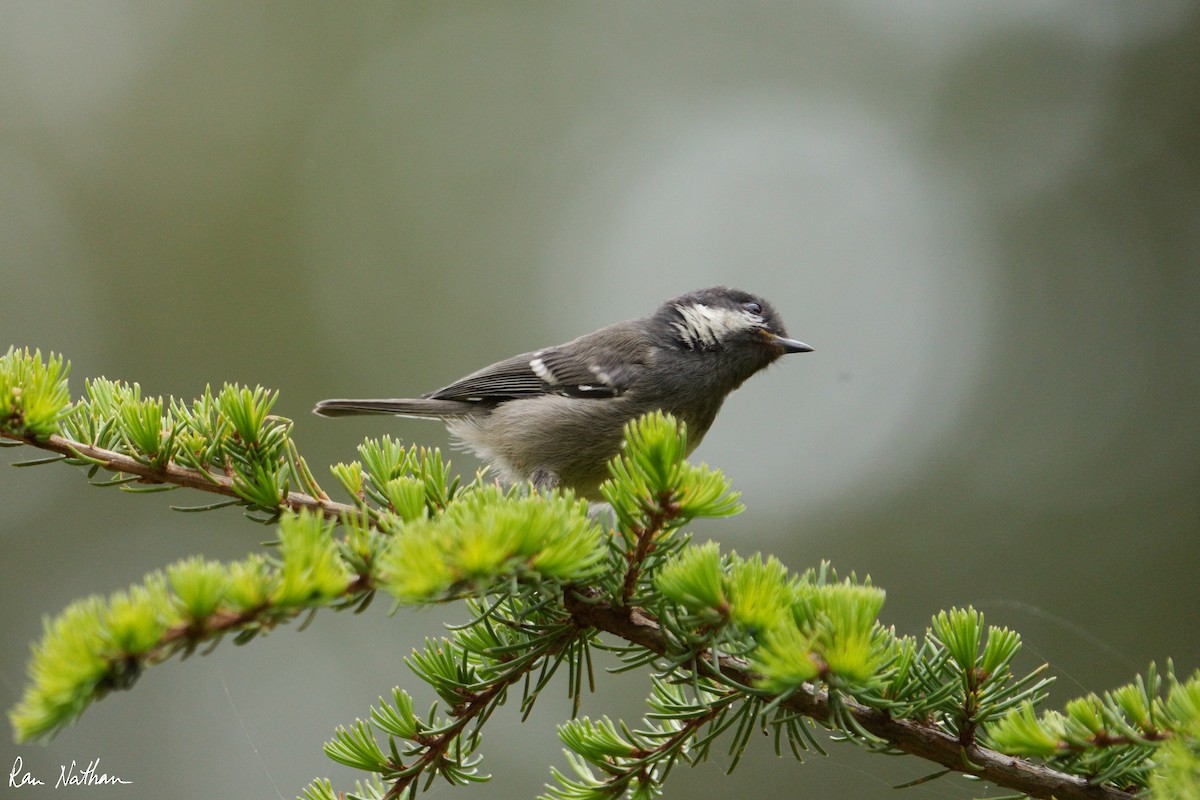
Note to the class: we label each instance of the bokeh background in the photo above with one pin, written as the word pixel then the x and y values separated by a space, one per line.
pixel 985 217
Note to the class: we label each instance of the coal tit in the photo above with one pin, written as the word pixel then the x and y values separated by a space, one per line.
pixel 556 416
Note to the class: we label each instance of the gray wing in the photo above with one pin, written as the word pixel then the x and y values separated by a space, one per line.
pixel 555 370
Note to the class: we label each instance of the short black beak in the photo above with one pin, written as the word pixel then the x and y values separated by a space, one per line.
pixel 789 345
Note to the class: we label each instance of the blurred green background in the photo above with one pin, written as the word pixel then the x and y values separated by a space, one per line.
pixel 985 217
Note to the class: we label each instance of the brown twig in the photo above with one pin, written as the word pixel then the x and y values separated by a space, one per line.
pixel 172 473
pixel 916 738
pixel 665 511
pixel 471 708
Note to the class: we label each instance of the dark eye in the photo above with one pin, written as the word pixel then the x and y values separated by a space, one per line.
pixel 753 308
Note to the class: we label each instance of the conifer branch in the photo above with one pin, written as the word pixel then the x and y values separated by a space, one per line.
pixel 732 643
pixel 658 517
pixel 909 736
pixel 437 747
pixel 170 474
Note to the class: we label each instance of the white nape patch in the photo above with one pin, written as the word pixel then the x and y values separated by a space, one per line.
pixel 706 326
pixel 542 371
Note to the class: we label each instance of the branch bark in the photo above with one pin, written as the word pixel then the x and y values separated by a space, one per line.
pixel 173 474
pixel 916 738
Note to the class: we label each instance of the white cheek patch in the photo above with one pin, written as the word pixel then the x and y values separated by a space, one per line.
pixel 706 326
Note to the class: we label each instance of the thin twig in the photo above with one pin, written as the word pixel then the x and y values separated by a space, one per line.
pixel 172 473
pixel 437 746
pixel 665 511
pixel 916 738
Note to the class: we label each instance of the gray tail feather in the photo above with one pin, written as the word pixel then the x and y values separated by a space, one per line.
pixel 405 408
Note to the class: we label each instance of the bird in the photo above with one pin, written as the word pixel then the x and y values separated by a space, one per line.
pixel 555 417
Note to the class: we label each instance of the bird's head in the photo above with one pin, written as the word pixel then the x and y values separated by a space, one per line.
pixel 729 321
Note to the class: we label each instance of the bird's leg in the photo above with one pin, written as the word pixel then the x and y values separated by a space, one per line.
pixel 544 480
